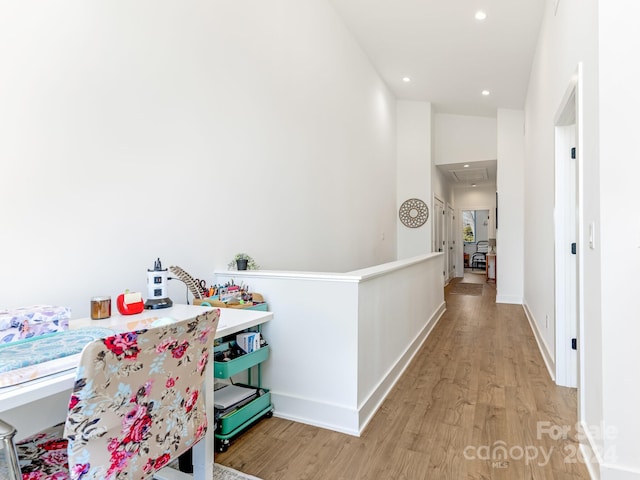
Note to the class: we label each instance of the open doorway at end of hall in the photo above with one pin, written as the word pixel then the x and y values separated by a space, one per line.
pixel 476 231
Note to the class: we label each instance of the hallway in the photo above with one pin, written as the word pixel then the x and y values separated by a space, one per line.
pixel 476 402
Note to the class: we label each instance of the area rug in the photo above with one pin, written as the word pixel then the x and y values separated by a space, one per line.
pixel 466 289
pixel 220 472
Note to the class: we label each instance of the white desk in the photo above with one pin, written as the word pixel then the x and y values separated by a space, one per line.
pixel 34 405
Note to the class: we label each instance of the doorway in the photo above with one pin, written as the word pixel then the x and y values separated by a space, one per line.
pixel 476 228
pixel 451 243
pixel 568 225
pixel 439 229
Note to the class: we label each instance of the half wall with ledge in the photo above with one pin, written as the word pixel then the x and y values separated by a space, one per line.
pixel 340 341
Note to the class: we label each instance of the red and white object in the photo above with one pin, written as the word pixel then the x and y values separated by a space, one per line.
pixel 130 303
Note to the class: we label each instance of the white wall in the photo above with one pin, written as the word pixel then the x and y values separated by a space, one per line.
pixel 187 131
pixel 563 43
pixel 414 173
pixel 441 186
pixel 619 242
pixel 463 138
pixel 510 187
pixel 576 34
pixel 478 198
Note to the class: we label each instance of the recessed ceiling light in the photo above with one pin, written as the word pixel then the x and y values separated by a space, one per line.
pixel 473 184
pixel 406 79
pixel 466 165
pixel 480 15
pixel 486 93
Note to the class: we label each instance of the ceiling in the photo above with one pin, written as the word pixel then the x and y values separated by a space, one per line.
pixel 450 57
pixel 475 174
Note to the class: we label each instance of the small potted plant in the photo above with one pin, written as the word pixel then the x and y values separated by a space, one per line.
pixel 242 261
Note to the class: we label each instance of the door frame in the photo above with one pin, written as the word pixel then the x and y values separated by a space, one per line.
pixel 569 228
pixel 491 230
pixel 451 241
pixel 439 226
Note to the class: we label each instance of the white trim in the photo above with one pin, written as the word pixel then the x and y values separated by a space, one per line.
pixel 452 240
pixel 590 454
pixel 597 466
pixel 491 230
pixel 617 472
pixel 354 276
pixel 322 414
pixel 440 220
pixel 542 346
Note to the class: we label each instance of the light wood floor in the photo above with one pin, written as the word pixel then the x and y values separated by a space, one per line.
pixel 477 384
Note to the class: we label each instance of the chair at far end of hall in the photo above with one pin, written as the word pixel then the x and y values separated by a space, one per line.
pixel 137 404
pixel 479 258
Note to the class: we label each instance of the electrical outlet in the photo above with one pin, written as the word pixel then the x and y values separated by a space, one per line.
pixel 546 321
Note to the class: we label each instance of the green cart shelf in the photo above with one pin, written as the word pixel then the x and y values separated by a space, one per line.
pixel 234 423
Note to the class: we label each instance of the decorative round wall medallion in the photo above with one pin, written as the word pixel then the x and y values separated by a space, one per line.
pixel 413 213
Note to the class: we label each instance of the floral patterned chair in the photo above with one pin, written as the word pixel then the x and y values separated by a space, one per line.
pixel 137 404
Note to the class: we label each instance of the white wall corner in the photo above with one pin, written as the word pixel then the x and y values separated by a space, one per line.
pixel 413 175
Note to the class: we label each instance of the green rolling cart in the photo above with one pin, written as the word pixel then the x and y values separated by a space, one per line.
pixel 232 424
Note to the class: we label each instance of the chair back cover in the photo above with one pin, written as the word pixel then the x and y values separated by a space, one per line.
pixel 138 400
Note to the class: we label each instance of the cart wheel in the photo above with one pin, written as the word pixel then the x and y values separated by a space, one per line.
pixel 223 446
pixel 269 414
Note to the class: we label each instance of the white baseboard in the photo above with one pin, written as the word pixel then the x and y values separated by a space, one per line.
pixel 542 346
pixel 615 472
pixel 589 453
pixel 341 418
pixel 598 467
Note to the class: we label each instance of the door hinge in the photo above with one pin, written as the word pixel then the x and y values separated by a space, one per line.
pixel 574 343
pixel 574 248
pixel 573 152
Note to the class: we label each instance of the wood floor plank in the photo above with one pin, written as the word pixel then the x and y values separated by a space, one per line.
pixel 470 406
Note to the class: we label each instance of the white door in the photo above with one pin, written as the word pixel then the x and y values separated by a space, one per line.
pixel 438 225
pixel 439 232
pixel 568 249
pixel 451 243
